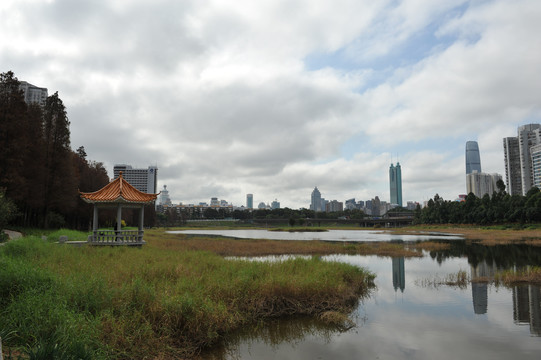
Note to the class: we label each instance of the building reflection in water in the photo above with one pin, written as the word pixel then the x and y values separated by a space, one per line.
pixel 527 307
pixel 526 298
pixel 399 274
pixel 480 275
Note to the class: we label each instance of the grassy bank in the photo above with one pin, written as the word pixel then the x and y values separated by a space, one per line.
pixel 162 301
pixel 487 235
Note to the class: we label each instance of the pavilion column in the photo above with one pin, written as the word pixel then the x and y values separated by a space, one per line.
pixel 119 217
pixel 141 217
pixel 95 219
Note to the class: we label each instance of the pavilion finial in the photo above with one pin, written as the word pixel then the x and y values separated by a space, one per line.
pixel 120 174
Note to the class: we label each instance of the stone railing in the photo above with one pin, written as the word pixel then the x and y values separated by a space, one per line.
pixel 113 237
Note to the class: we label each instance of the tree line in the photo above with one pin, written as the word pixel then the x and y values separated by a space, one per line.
pixel 40 174
pixel 500 208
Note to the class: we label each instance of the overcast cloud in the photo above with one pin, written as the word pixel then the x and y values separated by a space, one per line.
pixel 275 97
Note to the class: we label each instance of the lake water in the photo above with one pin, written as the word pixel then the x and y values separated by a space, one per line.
pixel 404 318
pixel 331 235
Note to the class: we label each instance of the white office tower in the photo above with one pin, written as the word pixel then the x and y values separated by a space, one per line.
pixel 518 158
pixel 315 203
pixel 145 180
pixel 33 94
pixel 481 183
pixel 536 165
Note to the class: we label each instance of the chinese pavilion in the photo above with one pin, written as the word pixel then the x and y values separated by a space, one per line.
pixel 118 194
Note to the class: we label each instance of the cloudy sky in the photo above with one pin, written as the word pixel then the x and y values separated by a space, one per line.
pixel 274 97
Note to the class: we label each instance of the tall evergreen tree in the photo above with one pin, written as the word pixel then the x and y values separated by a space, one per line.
pixel 59 186
pixel 13 137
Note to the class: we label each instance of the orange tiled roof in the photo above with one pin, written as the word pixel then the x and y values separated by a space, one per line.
pixel 118 191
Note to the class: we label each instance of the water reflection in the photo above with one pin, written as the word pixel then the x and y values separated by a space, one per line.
pixel 526 298
pixel 447 322
pixel 479 287
pixel 274 334
pixel 527 307
pixel 399 274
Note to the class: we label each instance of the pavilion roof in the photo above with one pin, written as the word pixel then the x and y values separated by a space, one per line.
pixel 118 191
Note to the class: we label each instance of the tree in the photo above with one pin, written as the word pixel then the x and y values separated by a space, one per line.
pixel 59 186
pixel 13 137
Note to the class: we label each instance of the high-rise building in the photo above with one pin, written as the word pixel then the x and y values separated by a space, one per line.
pixel 536 165
pixel 275 204
pixel 334 206
pixel 512 165
pixel 250 201
pixel 33 94
pixel 480 183
pixel 145 180
pixel 315 203
pixel 473 160
pixel 376 207
pixel 351 204
pixel 518 158
pixel 395 180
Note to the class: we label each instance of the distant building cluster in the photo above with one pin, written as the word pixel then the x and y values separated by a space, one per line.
pixel 522 156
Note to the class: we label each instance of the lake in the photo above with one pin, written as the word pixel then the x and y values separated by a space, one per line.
pixel 408 317
pixel 331 235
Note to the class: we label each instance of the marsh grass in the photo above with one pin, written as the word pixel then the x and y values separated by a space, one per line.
pixel 511 277
pixel 162 301
pixel 429 246
pixel 459 279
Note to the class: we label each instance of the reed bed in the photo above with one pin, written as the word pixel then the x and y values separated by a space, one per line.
pixel 459 279
pixel 166 300
pixel 523 276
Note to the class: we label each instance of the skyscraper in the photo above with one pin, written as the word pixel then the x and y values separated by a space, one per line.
pixel 473 160
pixel 512 166
pixel 518 158
pixel 250 201
pixel 395 180
pixel 315 203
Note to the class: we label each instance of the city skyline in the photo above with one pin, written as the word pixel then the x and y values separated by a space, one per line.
pixel 236 97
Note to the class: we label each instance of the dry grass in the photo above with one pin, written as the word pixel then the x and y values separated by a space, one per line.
pixel 430 246
pixel 487 236
pixel 254 247
pixel 511 278
pixel 460 279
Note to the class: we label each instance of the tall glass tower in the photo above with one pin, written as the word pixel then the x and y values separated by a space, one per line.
pixel 315 200
pixel 395 180
pixel 473 160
